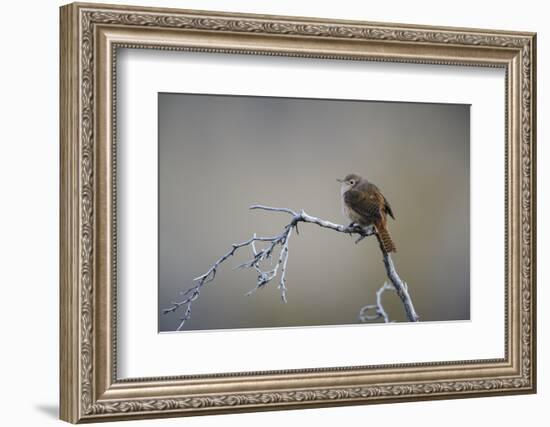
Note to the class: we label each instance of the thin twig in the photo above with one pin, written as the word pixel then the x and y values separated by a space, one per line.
pixel 379 312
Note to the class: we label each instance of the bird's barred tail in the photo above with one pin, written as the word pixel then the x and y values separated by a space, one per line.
pixel 384 238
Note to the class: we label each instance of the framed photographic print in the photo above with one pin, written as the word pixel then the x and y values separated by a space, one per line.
pixel 267 212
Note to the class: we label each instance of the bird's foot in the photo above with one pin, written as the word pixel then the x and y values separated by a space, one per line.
pixel 359 239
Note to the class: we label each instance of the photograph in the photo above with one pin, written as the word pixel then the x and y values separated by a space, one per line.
pixel 291 212
pixel 272 209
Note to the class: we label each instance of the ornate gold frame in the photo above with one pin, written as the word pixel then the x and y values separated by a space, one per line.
pixel 90 35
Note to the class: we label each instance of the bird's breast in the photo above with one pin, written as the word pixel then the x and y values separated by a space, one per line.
pixel 350 214
pixel 345 210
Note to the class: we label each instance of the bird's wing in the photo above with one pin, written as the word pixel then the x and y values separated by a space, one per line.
pixel 383 201
pixel 388 208
pixel 364 203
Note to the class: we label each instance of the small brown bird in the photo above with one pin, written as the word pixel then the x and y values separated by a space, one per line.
pixel 365 205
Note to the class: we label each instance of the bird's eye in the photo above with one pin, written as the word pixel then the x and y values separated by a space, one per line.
pixel 351 182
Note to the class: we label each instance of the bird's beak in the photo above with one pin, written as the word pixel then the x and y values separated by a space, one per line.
pixel 339 180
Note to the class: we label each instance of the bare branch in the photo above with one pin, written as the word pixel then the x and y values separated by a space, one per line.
pixel 269 208
pixel 365 316
pixel 280 242
pixel 401 288
pixel 397 285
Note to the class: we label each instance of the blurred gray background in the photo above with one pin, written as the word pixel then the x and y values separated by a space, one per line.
pixel 220 154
